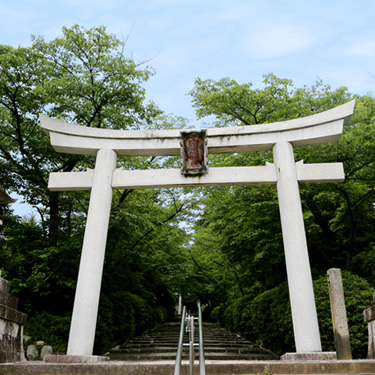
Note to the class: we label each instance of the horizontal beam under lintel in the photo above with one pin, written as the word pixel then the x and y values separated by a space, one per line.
pixel 70 181
pixel 220 176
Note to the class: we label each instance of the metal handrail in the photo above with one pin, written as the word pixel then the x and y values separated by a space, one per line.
pixel 190 328
pixel 177 368
pixel 202 367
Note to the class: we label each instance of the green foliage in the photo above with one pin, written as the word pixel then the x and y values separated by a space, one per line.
pixel 239 104
pixel 266 318
pixel 245 221
pixel 358 295
pixel 82 77
pixel 103 86
pixel 85 78
pixel 122 315
pixel 50 328
pixel 234 262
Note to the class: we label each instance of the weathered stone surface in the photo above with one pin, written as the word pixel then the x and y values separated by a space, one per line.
pixel 39 345
pixel 7 299
pixel 371 340
pixel 11 326
pixel 310 356
pixel 32 353
pixel 217 368
pixel 46 350
pixel 12 315
pixel 4 285
pixel 10 342
pixel 369 314
pixel 74 359
pixel 339 320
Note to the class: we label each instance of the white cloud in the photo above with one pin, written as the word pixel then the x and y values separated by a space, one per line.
pixel 269 41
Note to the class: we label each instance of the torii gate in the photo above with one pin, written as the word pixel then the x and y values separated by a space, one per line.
pixel 279 137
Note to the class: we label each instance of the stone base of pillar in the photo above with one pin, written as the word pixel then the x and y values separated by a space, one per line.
pixel 51 358
pixel 310 356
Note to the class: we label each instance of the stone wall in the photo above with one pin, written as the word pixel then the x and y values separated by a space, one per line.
pixel 369 316
pixel 11 326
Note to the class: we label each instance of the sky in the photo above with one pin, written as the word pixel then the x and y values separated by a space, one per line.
pixel 240 39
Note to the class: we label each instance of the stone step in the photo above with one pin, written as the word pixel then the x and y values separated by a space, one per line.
pixel 208 356
pixel 186 339
pixel 176 337
pixel 161 343
pixel 175 343
pixel 205 342
pixel 214 347
pixel 362 367
pixel 164 349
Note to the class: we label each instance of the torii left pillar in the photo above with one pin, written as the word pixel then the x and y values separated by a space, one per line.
pixel 86 302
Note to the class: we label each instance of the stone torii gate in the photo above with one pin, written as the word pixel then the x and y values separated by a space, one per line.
pixel 279 137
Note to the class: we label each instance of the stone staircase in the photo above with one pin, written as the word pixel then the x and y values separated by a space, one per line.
pixel 161 343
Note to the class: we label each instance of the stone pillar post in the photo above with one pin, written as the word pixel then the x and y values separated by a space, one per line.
pixel 11 326
pixel 302 300
pixel 339 321
pixel 85 311
pixel 369 316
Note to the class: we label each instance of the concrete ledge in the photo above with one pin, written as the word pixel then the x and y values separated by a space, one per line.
pixel 51 358
pixel 311 356
pixel 12 315
pixel 212 368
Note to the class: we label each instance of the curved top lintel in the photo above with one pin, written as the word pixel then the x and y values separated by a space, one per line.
pixel 72 138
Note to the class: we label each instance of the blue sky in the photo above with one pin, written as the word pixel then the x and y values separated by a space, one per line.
pixel 299 40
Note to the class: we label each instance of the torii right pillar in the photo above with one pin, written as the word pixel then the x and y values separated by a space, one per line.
pixel 302 301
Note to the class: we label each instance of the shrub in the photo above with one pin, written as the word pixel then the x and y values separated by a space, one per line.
pixel 52 329
pixel 122 316
pixel 358 295
pixel 266 319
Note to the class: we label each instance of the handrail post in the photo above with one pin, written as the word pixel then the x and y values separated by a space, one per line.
pixel 202 367
pixel 190 325
pixel 177 369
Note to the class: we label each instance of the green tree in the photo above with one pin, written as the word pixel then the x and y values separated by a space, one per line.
pixel 245 220
pixel 85 78
pixel 266 318
pixel 82 77
pixel 238 104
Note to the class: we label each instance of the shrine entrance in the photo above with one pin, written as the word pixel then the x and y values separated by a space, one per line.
pixel 193 147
